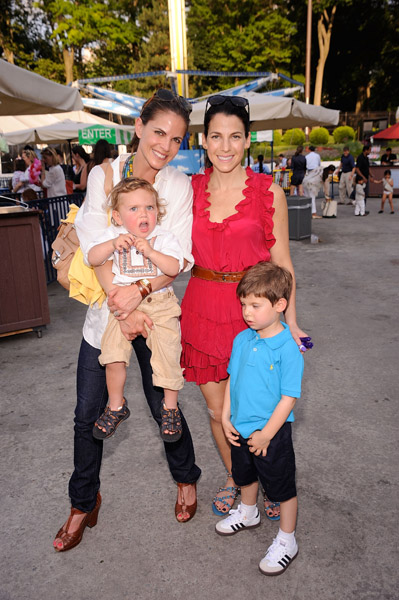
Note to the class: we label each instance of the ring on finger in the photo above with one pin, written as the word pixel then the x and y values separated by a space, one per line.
pixel 117 313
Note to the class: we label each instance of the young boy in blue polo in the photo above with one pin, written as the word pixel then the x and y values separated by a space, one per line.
pixel 265 371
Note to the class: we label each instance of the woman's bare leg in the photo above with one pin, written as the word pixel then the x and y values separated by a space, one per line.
pixel 214 395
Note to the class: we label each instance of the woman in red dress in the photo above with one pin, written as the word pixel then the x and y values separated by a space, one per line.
pixel 240 218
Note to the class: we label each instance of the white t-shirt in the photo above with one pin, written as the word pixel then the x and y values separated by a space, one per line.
pixel 129 265
pixel 312 161
pixel 91 221
pixel 54 181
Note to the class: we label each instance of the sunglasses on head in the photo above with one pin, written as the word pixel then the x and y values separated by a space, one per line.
pixel 219 99
pixel 169 96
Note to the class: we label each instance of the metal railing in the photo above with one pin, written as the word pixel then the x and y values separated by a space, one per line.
pixel 283 178
pixel 51 211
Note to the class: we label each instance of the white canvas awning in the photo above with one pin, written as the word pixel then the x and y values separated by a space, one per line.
pixel 271 112
pixel 25 93
pixel 53 128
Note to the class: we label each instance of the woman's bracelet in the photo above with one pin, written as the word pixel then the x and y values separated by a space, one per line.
pixel 145 287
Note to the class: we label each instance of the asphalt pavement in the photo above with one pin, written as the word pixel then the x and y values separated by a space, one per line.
pixel 345 437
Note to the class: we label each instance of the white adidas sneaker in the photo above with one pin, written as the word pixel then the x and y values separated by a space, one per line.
pixel 237 521
pixel 278 557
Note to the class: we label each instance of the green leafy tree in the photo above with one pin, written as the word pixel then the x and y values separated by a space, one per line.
pixel 238 36
pixel 294 137
pixel 366 53
pixel 319 136
pixel 84 24
pixel 154 49
pixel 343 134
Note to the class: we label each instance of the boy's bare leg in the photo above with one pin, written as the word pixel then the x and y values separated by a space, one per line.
pixel 171 398
pixel 390 201
pixel 116 379
pixel 288 514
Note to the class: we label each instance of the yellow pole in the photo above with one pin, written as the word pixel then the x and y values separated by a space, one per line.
pixel 178 43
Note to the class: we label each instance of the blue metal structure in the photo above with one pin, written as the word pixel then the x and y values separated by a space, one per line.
pixel 119 103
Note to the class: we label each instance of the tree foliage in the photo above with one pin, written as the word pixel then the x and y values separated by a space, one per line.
pixel 70 39
pixel 343 134
pixel 238 36
pixel 294 137
pixel 319 136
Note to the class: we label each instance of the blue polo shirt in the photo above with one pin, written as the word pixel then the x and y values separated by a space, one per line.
pixel 261 371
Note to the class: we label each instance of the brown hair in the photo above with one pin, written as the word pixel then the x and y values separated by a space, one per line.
pixel 53 153
pixel 154 105
pixel 131 184
pixel 28 195
pixel 266 280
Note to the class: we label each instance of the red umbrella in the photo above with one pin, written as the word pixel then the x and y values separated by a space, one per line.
pixel 392 133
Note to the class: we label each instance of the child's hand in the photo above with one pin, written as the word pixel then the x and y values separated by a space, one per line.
pixel 258 444
pixel 230 432
pixel 124 241
pixel 143 246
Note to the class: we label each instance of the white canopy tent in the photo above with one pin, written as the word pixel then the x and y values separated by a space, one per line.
pixel 52 128
pixel 273 112
pixel 25 93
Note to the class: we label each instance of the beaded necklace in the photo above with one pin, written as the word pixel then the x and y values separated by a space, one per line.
pixel 128 167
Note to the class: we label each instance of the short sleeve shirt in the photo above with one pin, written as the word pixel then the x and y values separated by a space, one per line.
pixel 312 161
pixel 130 266
pixel 388 159
pixel 261 371
pixel 363 165
pixel 348 162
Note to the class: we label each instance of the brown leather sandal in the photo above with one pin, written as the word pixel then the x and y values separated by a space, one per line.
pixel 70 540
pixel 171 423
pixel 110 421
pixel 183 508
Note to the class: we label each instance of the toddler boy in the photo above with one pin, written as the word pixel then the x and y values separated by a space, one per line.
pixel 265 371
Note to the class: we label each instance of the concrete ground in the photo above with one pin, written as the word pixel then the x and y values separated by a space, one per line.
pixel 345 437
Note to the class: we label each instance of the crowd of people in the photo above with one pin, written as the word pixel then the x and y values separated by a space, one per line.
pixel 51 174
pixel 309 177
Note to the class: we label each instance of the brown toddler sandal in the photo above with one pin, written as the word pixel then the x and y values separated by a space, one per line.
pixel 171 427
pixel 110 420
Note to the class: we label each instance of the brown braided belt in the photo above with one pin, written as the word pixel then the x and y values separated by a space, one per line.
pixel 209 275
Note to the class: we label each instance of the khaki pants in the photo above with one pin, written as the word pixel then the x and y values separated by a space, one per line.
pixel 345 187
pixel 163 341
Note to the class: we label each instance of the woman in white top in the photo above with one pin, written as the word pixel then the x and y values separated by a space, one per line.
pixel 159 132
pixel 53 179
pixel 31 179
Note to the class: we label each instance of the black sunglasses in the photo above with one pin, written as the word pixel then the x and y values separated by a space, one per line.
pixel 169 96
pixel 219 99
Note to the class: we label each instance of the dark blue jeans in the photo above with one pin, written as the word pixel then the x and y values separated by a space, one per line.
pixel 92 398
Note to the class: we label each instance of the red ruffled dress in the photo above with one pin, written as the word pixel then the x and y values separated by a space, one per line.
pixel 211 311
